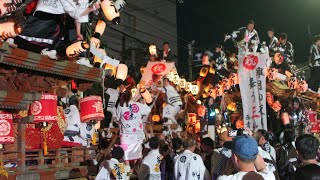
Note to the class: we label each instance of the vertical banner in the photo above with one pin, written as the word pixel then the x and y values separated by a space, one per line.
pixel 252 77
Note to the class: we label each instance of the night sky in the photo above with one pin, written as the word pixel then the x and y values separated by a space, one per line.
pixel 206 21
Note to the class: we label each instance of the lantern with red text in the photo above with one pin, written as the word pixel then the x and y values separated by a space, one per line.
pixel 45 110
pixel 302 86
pixel 6 128
pixel 234 79
pixel 122 72
pixel 110 11
pixel 201 111
pixel 77 48
pixel 91 108
pixel 192 117
pixel 293 83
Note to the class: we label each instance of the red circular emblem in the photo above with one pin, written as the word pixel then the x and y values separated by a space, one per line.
pixel 36 108
pixel 158 68
pixel 4 127
pixel 126 115
pixel 135 108
pixel 250 62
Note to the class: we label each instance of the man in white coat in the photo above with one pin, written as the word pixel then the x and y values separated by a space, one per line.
pixel 189 165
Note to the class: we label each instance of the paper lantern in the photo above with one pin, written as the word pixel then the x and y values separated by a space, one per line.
pixel 194 90
pixel 156 118
pixel 232 106
pixel 276 106
pixel 110 11
pixel 97 59
pixel 302 86
pixel 6 128
pixel 77 48
pixel 100 27
pixel 45 110
pixel 226 83
pixel 201 111
pixel 182 83
pixel 204 71
pixel 192 117
pixel 197 126
pixel 272 74
pixel 119 5
pixel 146 95
pixel 234 79
pixel 9 29
pixel 314 122
pixel 293 83
pixel 188 86
pixel 170 76
pixel 122 72
pixel 212 71
pixel 153 50
pixel 239 124
pixel 91 108
pixel 270 99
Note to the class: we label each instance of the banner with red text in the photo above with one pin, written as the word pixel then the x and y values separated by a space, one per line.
pixel 155 70
pixel 252 78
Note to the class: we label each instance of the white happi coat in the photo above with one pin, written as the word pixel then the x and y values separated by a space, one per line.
pixel 70 7
pixel 173 102
pixel 114 95
pixel 118 170
pixel 85 131
pixel 189 166
pixel 153 161
pixel 131 132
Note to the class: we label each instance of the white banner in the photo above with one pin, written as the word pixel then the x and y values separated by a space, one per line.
pixel 252 78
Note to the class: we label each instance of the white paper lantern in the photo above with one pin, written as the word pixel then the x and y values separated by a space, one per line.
pixel 176 79
pixel 100 27
pixel 110 11
pixel 122 72
pixel 194 89
pixel 119 4
pixel 77 48
pixel 182 83
pixel 153 50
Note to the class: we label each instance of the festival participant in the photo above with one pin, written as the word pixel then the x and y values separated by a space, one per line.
pixel 113 101
pixel 44 29
pixel 77 132
pixel 286 48
pixel 207 150
pixel 298 117
pixel 314 61
pixel 287 150
pixel 273 43
pixel 307 147
pixel 189 165
pixel 114 168
pixel 246 37
pixel 166 54
pixel 129 115
pixel 150 168
pixel 246 159
pixel 220 61
pixel 262 137
pixel 173 104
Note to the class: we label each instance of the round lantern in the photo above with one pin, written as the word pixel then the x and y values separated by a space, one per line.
pixel 146 95
pixel 234 78
pixel 201 110
pixel 45 110
pixel 77 48
pixel 97 59
pixel 239 124
pixel 276 106
pixel 153 50
pixel 156 118
pixel 122 72
pixel 232 106
pixel 293 83
pixel 100 27
pixel 6 128
pixel 204 71
pixel 272 74
pixel 91 108
pixel 194 89
pixel 110 11
pixel 192 117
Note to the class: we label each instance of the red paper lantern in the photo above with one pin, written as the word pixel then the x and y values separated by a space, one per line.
pixel 192 117
pixel 91 108
pixel 314 122
pixel 197 126
pixel 6 128
pixel 201 111
pixel 45 110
